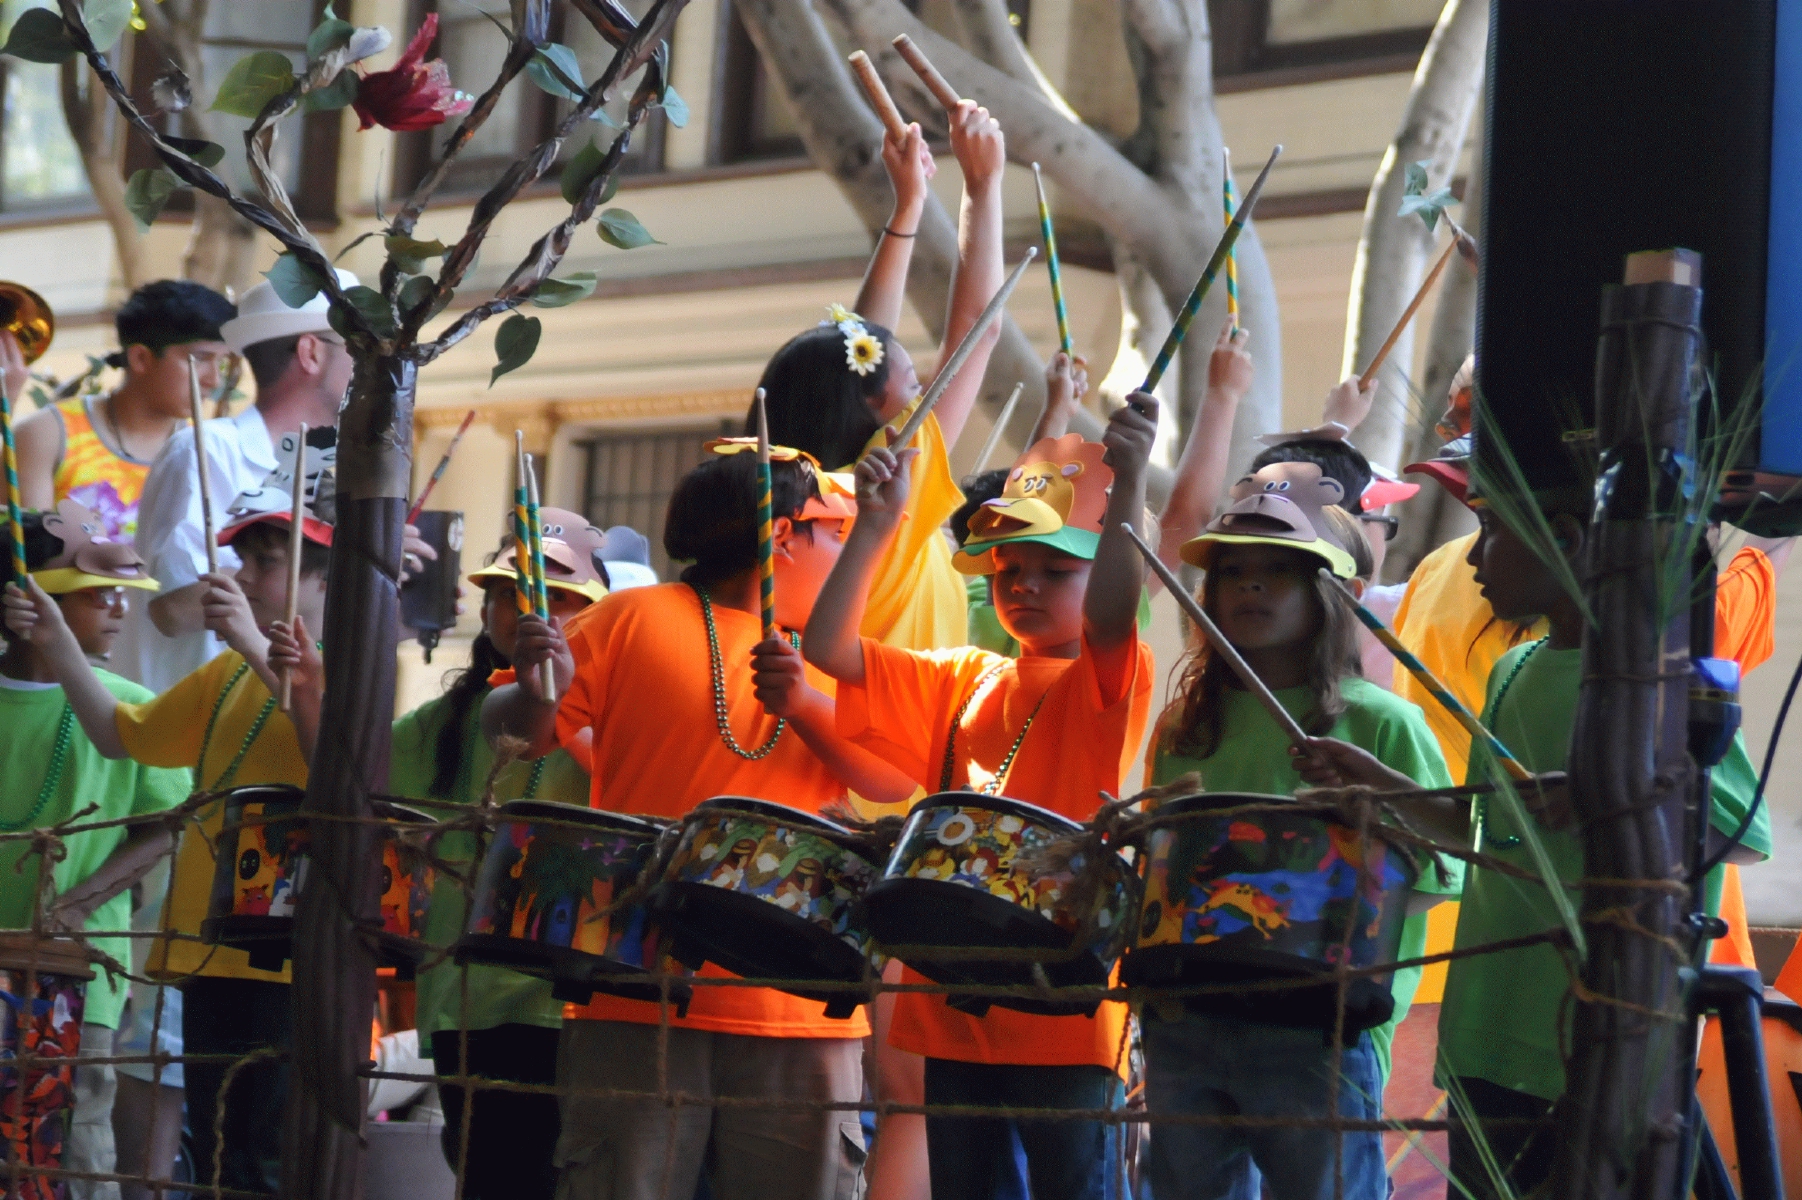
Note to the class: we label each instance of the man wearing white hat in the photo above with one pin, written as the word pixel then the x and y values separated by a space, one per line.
pixel 302 371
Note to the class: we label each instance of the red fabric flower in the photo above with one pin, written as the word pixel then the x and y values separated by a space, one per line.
pixel 413 94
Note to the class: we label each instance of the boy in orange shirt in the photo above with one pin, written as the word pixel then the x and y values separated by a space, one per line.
pixel 1055 727
pixel 684 700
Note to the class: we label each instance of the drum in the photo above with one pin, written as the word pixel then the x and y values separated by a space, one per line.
pixel 260 868
pixel 1253 897
pixel 543 897
pixel 42 988
pixel 768 892
pixel 961 879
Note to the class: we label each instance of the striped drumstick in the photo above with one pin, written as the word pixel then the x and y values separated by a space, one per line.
pixel 14 523
pixel 766 530
pixel 438 471
pixel 1232 257
pixel 1057 284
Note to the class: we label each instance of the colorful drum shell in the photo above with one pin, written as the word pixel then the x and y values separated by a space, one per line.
pixel 1252 897
pixel 407 881
pixel 769 892
pixel 961 878
pixel 43 985
pixel 542 898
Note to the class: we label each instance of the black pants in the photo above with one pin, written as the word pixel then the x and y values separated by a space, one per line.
pixel 1523 1154
pixel 512 1135
pixel 237 1016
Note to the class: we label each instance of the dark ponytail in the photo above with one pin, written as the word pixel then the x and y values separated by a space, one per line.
pixel 462 689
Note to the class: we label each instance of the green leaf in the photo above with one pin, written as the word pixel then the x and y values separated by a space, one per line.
pixel 515 343
pixel 106 20
pixel 294 282
pixel 207 154
pixel 555 293
pixel 39 36
pixel 414 292
pixel 376 312
pixel 580 171
pixel 146 193
pixel 253 82
pixel 675 108
pixel 1429 207
pixel 334 95
pixel 409 254
pixel 620 228
pixel 1416 177
pixel 329 36
pixel 555 69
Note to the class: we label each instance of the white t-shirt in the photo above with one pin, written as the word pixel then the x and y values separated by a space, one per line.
pixel 240 456
pixel 1379 664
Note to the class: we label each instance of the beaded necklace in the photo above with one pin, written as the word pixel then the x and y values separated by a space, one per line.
pixel 65 728
pixel 537 775
pixel 1504 840
pixel 206 739
pixel 993 786
pixel 719 686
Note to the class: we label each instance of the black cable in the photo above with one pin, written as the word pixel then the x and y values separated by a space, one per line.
pixel 1764 776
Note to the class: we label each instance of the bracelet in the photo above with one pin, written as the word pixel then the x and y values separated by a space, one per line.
pixel 892 233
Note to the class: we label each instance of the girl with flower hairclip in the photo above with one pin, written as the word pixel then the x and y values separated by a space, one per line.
pixel 834 389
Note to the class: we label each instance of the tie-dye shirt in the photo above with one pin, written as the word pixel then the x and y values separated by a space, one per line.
pixel 93 475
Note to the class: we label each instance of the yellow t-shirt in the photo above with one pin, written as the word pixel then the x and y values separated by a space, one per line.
pixel 917 597
pixel 223 722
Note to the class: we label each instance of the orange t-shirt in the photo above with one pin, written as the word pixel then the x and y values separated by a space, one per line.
pixel 1745 609
pixel 1080 744
pixel 643 684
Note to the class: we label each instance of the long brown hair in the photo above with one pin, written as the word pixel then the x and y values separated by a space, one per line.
pixel 1191 725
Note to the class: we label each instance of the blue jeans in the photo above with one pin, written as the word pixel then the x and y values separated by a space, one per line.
pixel 971 1158
pixel 1208 1065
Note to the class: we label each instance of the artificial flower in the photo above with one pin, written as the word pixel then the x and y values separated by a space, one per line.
pixel 838 314
pixel 414 94
pixel 863 353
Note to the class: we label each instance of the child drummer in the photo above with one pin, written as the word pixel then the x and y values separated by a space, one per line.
pixel 687 700
pixel 1056 728
pixel 223 722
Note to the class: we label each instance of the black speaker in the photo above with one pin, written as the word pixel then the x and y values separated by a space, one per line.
pixel 428 600
pixel 1624 125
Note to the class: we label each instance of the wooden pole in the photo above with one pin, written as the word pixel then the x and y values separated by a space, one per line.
pixel 941 381
pixel 941 90
pixel 1007 413
pixel 438 471
pixel 1395 335
pixel 766 530
pixel 297 513
pixel 200 465
pixel 877 91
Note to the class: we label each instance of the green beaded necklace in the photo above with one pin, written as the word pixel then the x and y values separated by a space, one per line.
pixel 719 687
pixel 1506 840
pixel 59 754
pixel 206 739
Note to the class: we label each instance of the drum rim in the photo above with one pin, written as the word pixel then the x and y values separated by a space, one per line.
pixel 557 810
pixel 753 807
pixel 248 793
pixel 1006 804
pixel 388 810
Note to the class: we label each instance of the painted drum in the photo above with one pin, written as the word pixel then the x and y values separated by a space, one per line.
pixel 544 896
pixel 768 892
pixel 43 983
pixel 961 879
pixel 1254 897
pixel 260 869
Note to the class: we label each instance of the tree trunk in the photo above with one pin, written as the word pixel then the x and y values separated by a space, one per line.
pixel 334 959
pixel 1393 251
pixel 222 247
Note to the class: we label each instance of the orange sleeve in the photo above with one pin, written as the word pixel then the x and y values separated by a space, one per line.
pixel 902 712
pixel 1745 609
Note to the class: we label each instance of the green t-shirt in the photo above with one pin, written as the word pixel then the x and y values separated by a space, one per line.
pixel 497 996
pixel 29 717
pixel 1504 1018
pixel 1254 757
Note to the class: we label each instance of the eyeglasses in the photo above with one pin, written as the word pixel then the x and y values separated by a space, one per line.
pixel 102 597
pixel 1389 524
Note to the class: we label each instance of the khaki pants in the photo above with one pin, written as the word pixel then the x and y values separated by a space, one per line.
pixel 615 1149
pixel 90 1145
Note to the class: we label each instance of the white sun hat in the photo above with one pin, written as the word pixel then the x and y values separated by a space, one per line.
pixel 263 317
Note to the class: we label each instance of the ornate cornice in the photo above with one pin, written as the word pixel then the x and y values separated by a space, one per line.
pixel 542 417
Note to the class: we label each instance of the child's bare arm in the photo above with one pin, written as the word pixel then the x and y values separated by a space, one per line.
pixel 34 616
pixel 1201 472
pixel 1332 763
pixel 144 846
pixel 1066 383
pixel 1111 603
pixel 228 614
pixel 831 642
pixel 976 140
pixel 292 652
pixel 781 685
pixel 910 169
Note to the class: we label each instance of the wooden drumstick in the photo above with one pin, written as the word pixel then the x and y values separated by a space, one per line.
pixel 206 487
pixel 929 75
pixel 965 348
pixel 1225 649
pixel 880 100
pixel 297 516
pixel 1007 412
pixel 1395 335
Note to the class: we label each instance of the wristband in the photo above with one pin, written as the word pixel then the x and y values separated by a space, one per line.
pixel 892 233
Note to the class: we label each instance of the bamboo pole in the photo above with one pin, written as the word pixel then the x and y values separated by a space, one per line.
pixel 200 465
pixel 1007 413
pixel 880 100
pixel 438 471
pixel 766 534
pixel 941 90
pixel 941 381
pixel 297 514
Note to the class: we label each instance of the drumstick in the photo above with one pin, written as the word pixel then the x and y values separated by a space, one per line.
pixel 1227 239
pixel 880 100
pixel 524 588
pixel 965 348
pixel 1420 295
pixel 438 471
pixel 541 600
pixel 766 537
pixel 1232 258
pixel 206 498
pixel 12 489
pixel 1007 412
pixel 1428 680
pixel 1297 735
pixel 1057 284
pixel 929 75
pixel 297 513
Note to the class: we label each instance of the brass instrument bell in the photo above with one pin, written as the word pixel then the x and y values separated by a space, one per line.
pixel 26 315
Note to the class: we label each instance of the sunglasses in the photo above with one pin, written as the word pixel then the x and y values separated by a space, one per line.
pixel 1389 524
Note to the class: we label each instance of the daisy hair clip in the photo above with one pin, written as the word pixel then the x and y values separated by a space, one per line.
pixel 863 349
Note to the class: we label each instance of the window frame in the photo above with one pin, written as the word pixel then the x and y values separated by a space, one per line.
pixel 738 75
pixel 73 205
pixel 1245 58
pixel 593 443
